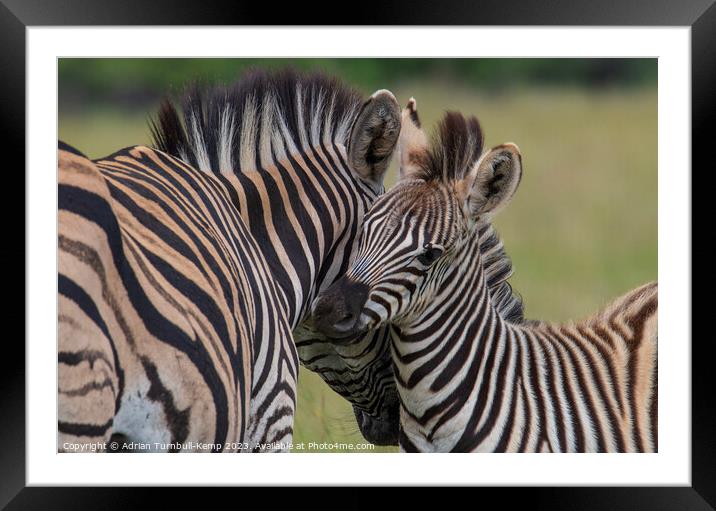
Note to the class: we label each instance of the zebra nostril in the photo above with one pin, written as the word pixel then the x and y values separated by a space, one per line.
pixel 345 322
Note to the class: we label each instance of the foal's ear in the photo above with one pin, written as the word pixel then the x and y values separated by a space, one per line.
pixel 412 144
pixel 493 181
pixel 373 136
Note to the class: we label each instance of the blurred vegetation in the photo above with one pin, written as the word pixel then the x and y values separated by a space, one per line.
pixel 128 82
pixel 582 228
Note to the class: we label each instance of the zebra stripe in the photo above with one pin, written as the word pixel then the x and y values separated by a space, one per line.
pixel 368 357
pixel 145 252
pixel 468 379
pixel 193 263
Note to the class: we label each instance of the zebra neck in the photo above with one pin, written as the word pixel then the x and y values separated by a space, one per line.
pixel 302 210
pixel 451 364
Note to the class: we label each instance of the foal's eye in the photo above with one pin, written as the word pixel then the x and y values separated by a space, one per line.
pixel 430 254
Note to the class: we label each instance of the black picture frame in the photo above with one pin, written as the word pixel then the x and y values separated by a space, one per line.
pixel 17 15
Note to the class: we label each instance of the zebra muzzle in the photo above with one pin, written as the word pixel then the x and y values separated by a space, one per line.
pixel 336 311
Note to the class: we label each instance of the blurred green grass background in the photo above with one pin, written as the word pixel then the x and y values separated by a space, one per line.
pixel 582 228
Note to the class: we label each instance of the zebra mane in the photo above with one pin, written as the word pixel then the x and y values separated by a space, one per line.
pixel 455 147
pixel 264 116
pixel 498 269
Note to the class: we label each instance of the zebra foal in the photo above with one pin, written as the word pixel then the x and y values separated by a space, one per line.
pixel 468 380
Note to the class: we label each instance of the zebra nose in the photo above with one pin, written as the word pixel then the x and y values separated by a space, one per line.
pixel 337 310
pixel 322 309
pixel 331 318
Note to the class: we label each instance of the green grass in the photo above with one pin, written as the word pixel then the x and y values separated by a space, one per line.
pixel 581 230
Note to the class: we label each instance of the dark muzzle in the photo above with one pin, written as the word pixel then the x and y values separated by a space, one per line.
pixel 336 311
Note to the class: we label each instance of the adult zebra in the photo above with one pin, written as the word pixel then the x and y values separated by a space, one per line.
pixel 183 270
pixel 469 380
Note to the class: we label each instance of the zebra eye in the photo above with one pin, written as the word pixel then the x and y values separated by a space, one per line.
pixel 430 255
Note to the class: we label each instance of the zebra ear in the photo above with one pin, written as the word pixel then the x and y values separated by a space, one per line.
pixel 413 143
pixel 373 136
pixel 493 181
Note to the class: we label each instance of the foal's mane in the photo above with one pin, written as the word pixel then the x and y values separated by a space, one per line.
pixel 498 269
pixel 455 148
pixel 263 116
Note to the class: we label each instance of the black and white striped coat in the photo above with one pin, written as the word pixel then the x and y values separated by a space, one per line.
pixel 183 270
pixel 468 379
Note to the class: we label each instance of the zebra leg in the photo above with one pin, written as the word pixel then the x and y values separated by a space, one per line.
pixel 273 396
pixel 272 413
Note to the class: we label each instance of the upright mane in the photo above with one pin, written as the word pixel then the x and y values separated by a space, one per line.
pixel 455 148
pixel 263 116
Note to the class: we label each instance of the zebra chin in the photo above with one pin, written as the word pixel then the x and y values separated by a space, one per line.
pixel 383 429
